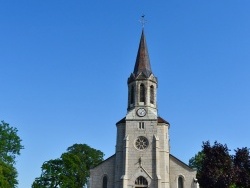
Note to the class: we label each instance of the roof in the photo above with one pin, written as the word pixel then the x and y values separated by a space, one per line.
pixel 103 161
pixel 123 120
pixel 142 64
pixel 159 120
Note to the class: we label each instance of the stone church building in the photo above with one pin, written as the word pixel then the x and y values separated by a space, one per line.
pixel 142 157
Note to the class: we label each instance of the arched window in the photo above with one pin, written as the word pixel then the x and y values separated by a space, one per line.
pixel 132 95
pixel 180 182
pixel 141 182
pixel 142 93
pixel 152 94
pixel 105 182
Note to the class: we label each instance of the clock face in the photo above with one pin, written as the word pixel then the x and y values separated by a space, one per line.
pixel 141 112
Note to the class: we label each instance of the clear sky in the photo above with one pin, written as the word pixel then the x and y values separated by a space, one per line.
pixel 64 68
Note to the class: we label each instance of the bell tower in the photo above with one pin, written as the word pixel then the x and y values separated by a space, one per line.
pixel 142 85
pixel 142 144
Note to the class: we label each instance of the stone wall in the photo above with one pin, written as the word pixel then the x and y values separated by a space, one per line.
pixel 106 168
pixel 177 169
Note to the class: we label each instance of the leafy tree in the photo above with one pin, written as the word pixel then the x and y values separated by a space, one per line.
pixel 8 175
pixel 241 161
pixel 70 170
pixel 214 164
pixel 48 177
pixel 196 161
pixel 10 146
pixel 10 143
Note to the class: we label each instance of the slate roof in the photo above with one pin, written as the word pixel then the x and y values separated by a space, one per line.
pixel 142 64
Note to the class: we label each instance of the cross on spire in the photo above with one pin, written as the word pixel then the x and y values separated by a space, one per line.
pixel 143 20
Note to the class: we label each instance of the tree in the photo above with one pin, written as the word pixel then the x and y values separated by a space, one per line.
pixel 8 175
pixel 10 146
pixel 241 161
pixel 214 164
pixel 71 169
pixel 196 161
pixel 50 176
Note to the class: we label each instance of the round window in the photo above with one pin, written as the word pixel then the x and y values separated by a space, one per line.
pixel 141 143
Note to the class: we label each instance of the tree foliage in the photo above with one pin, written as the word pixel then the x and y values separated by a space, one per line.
pixel 196 161
pixel 10 146
pixel 216 168
pixel 71 169
pixel 8 175
pixel 241 161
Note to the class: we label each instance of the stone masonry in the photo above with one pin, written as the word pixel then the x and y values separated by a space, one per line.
pixel 142 156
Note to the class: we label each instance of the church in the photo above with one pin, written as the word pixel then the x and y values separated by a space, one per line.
pixel 142 155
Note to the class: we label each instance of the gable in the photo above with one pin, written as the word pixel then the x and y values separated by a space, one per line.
pixel 109 161
pixel 178 162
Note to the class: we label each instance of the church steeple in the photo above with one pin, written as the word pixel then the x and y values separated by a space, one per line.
pixel 142 157
pixel 142 84
pixel 142 64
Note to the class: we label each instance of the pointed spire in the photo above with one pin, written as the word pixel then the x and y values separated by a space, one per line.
pixel 142 64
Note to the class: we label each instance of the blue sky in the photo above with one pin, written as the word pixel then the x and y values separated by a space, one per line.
pixel 64 67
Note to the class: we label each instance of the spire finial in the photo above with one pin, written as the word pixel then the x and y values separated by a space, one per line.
pixel 143 20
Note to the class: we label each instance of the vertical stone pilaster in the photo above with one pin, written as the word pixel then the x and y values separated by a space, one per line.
pixel 125 152
pixel 157 162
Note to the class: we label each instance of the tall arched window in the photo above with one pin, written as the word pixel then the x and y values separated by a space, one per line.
pixel 132 95
pixel 180 182
pixel 152 94
pixel 105 182
pixel 142 93
pixel 141 182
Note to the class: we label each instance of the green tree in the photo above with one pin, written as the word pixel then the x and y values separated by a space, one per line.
pixel 10 146
pixel 241 161
pixel 71 169
pixel 51 174
pixel 8 175
pixel 196 161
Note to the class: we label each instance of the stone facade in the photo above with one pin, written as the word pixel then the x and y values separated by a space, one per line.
pixel 106 168
pixel 180 169
pixel 142 157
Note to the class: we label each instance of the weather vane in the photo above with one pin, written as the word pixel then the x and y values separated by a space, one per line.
pixel 143 20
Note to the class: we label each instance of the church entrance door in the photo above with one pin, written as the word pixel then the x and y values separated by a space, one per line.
pixel 141 182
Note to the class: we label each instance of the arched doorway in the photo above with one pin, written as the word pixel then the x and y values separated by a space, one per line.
pixel 141 182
